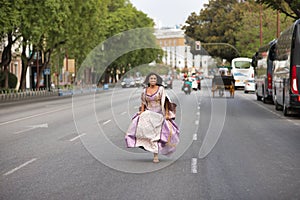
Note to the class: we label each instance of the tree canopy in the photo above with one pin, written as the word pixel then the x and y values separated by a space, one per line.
pixel 290 8
pixel 227 28
pixel 55 29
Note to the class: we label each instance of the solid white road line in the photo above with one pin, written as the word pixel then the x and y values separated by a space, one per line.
pixel 273 112
pixel 21 166
pixel 32 127
pixel 194 166
pixel 75 138
pixel 32 116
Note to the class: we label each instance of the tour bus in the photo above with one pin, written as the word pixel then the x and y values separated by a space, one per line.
pixel 263 65
pixel 286 70
pixel 242 70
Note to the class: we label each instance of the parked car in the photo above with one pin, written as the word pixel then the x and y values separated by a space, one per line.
pixel 249 85
pixel 128 82
pixel 138 81
pixel 168 82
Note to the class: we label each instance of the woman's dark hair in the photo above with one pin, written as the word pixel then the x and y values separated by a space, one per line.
pixel 158 82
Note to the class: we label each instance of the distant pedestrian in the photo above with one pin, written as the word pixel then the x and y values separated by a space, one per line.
pixel 153 128
pixel 194 84
pixel 52 85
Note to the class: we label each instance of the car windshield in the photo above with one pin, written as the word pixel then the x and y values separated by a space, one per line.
pixel 242 64
pixel 127 79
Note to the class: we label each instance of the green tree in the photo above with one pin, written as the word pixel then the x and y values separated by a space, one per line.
pixel 235 26
pixel 214 27
pixel 9 20
pixel 55 29
pixel 290 8
pixel 12 81
pixel 123 19
pixel 248 36
pixel 42 27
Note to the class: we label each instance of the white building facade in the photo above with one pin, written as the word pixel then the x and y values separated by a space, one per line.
pixel 177 53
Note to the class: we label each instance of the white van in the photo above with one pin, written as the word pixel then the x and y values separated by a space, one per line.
pixel 242 70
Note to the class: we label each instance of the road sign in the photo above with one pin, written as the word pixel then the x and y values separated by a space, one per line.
pixel 47 71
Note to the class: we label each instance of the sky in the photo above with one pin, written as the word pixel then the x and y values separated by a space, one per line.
pixel 169 12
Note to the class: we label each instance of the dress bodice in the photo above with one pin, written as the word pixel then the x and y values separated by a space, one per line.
pixel 153 102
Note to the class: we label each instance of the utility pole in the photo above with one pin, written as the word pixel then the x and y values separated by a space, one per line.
pixel 278 23
pixel 260 24
pixel 37 71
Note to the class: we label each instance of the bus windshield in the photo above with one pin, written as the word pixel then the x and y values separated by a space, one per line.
pixel 242 64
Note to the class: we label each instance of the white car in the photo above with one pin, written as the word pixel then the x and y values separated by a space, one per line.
pixel 249 85
pixel 128 82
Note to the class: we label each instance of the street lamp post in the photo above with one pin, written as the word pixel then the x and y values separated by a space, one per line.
pixel 278 23
pixel 171 54
pixel 175 53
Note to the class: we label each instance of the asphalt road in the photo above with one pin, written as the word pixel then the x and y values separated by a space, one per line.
pixel 73 148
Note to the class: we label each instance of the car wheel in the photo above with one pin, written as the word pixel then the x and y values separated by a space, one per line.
pixel 277 106
pixel 286 111
pixel 264 98
pixel 258 98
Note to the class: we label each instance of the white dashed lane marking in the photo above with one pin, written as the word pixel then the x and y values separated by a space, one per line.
pixel 19 167
pixel 194 169
pixel 77 137
pixel 195 136
pixel 106 122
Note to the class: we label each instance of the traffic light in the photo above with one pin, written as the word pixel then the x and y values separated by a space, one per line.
pixel 197 45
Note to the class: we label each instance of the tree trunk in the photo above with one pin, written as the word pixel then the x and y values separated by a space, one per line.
pixel 24 69
pixel 45 59
pixel 25 64
pixel 6 86
pixel 6 58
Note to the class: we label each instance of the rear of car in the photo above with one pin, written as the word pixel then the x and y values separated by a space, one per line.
pixel 128 82
pixel 249 85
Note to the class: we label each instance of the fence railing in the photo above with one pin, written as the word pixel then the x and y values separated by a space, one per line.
pixel 26 94
pixel 14 95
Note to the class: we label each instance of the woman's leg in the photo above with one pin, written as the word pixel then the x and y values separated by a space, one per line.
pixel 155 158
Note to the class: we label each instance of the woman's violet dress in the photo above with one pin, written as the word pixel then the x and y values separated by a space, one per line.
pixel 150 130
